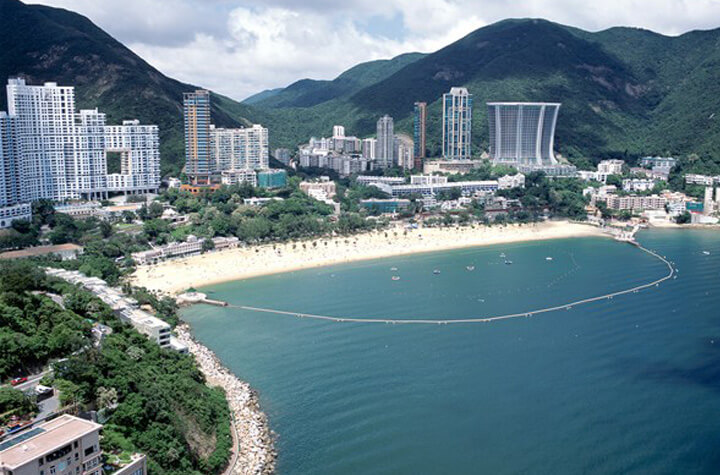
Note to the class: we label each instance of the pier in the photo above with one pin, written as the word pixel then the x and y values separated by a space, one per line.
pixel 485 319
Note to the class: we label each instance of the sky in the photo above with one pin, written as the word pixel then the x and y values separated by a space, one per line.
pixel 241 47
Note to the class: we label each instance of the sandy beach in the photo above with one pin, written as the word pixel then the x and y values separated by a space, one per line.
pixel 178 275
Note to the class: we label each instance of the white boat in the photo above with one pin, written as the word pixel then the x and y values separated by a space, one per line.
pixel 396 277
pixel 502 254
pixel 548 258
pixel 470 268
pixel 393 268
pixel 707 253
pixel 436 272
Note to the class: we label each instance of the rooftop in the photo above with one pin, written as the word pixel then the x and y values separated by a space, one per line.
pixel 40 251
pixel 524 103
pixel 47 437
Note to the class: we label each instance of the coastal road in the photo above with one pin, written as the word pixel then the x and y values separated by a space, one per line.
pixel 32 381
pixel 235 448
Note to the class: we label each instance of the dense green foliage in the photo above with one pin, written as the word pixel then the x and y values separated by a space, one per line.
pixel 309 92
pixel 557 197
pixel 14 402
pixel 164 409
pixel 222 213
pixel 33 329
pixel 155 400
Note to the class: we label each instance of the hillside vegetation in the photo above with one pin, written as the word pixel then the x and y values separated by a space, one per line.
pixel 156 400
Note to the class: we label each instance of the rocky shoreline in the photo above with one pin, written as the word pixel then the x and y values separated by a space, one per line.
pixel 256 452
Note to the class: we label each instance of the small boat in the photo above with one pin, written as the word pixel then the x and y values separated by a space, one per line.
pixel 502 254
pixel 707 253
pixel 436 272
pixel 548 258
pixel 393 268
pixel 396 277
pixel 508 262
pixel 470 268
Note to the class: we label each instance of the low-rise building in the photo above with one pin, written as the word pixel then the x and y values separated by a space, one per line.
pixel 637 184
pixel 609 167
pixel 511 181
pixel 467 188
pixel 11 213
pixel 191 246
pixel 324 184
pixel 385 206
pixel 704 180
pixel 659 162
pixel 236 177
pixel 555 170
pixel 389 180
pixel 450 166
pixel 271 178
pixel 64 251
pixel 636 203
pixel 125 308
pixel 586 175
pixel 257 201
pixel 65 445
pixel 428 180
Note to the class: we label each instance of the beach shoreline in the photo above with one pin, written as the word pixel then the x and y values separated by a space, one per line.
pixel 176 276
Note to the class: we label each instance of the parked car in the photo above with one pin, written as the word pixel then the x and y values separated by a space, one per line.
pixel 20 380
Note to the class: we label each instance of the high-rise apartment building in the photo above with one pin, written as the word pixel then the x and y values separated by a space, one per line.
pixel 198 157
pixel 64 153
pixel 457 124
pixel 13 196
pixel 404 152
pixel 338 132
pixel 369 147
pixel 419 128
pixel 385 148
pixel 522 132
pixel 52 153
pixel 137 147
pixel 239 149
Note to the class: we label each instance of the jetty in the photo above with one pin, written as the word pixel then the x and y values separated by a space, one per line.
pixel 190 298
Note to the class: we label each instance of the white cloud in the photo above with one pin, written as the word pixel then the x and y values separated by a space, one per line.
pixel 241 47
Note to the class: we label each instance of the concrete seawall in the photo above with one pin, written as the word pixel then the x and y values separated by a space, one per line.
pixel 255 450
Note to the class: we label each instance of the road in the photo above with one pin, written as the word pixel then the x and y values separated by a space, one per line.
pixel 30 383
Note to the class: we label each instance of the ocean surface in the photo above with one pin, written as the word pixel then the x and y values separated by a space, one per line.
pixel 628 385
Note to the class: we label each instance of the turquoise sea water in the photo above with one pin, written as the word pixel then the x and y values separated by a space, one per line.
pixel 624 385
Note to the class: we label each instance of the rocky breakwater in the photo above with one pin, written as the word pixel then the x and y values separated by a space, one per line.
pixel 254 452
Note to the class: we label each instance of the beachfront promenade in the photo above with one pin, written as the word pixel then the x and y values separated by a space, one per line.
pixel 531 313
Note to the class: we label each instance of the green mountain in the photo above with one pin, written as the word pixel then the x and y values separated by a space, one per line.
pixel 51 44
pixel 625 91
pixel 309 92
